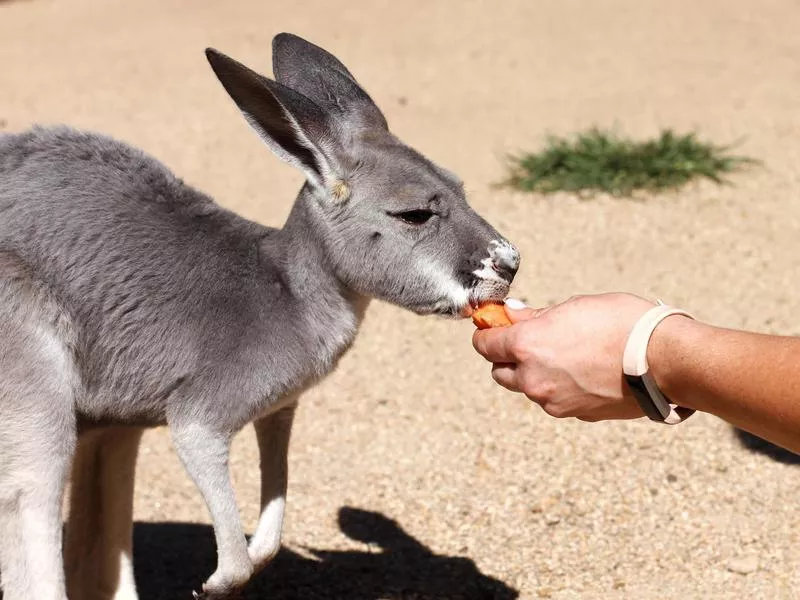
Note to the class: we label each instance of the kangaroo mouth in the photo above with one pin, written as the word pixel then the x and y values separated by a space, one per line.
pixel 485 291
pixel 479 294
pixel 463 298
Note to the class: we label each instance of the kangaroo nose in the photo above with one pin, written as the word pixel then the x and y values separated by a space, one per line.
pixel 505 258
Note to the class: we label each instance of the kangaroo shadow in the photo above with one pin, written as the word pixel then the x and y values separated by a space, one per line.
pixel 172 559
pixel 756 444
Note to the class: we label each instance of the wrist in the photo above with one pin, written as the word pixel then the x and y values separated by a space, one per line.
pixel 669 357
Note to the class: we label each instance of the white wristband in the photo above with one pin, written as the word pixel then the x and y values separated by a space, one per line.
pixel 634 366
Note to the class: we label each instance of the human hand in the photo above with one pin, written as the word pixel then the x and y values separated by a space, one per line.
pixel 567 357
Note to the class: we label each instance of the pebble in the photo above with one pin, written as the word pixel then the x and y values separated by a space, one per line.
pixel 552 519
pixel 744 565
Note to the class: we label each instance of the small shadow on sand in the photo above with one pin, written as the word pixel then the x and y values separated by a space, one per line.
pixel 756 444
pixel 172 559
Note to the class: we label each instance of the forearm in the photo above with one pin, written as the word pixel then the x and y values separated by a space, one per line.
pixel 748 379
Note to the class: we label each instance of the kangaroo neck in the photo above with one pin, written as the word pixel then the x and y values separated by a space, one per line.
pixel 299 249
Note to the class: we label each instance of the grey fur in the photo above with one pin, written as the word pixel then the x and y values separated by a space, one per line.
pixel 130 299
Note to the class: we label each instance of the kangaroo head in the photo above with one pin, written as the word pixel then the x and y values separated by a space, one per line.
pixel 393 225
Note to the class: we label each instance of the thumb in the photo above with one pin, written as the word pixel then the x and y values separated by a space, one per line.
pixel 519 311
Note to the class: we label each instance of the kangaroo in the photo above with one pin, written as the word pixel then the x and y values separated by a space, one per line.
pixel 129 300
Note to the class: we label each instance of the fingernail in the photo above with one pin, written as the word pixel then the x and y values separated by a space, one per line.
pixel 514 304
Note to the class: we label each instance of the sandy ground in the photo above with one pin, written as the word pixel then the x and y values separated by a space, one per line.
pixel 413 475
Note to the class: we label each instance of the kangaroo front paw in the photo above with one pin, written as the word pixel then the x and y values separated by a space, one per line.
pixel 221 595
pixel 232 594
pixel 261 557
pixel 225 585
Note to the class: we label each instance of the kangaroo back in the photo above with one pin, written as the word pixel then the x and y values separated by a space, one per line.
pixel 146 267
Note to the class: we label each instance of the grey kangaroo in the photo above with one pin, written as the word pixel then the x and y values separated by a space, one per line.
pixel 130 300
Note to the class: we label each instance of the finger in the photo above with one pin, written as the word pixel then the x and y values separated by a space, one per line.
pixel 505 374
pixel 519 311
pixel 494 344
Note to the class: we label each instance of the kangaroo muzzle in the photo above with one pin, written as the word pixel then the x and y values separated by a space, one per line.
pixel 500 265
pixel 498 268
pixel 504 259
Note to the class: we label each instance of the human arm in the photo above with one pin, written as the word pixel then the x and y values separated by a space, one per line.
pixel 568 358
pixel 750 380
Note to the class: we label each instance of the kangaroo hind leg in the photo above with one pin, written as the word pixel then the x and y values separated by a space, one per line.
pixel 37 435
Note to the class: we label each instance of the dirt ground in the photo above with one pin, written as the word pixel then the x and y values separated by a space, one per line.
pixel 412 474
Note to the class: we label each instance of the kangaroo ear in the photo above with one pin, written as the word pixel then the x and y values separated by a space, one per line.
pixel 293 126
pixel 319 75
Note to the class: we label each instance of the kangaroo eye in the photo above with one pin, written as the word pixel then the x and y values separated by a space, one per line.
pixel 414 217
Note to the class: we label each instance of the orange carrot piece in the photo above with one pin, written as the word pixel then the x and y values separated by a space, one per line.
pixel 490 315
